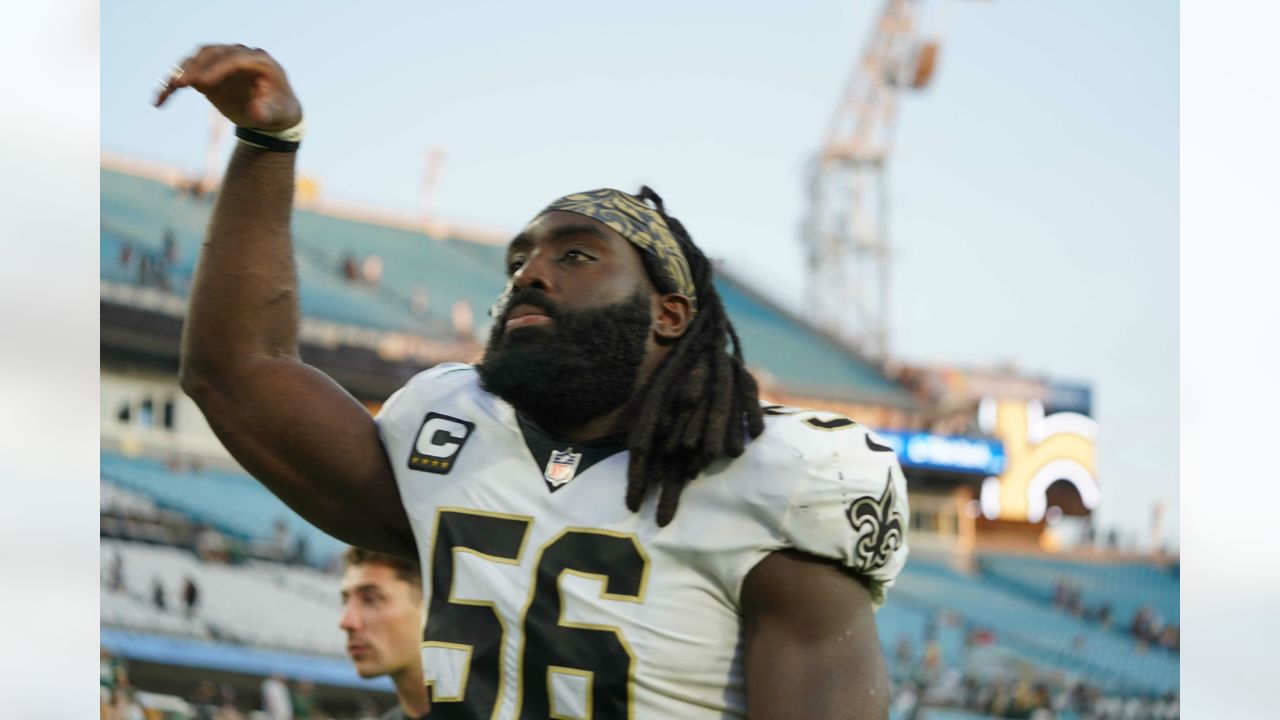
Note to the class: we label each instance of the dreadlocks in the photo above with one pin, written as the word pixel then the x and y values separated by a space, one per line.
pixel 698 403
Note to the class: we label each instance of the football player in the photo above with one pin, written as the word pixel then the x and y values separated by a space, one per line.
pixel 382 615
pixel 611 525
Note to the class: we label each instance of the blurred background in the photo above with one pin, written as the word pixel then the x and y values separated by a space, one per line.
pixel 953 221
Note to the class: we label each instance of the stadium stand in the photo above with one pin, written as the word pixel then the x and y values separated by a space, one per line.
pixel 138 211
pixel 1125 587
pixel 1039 632
pixel 232 502
pixel 253 603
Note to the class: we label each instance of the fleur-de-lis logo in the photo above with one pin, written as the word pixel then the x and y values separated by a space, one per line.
pixel 878 526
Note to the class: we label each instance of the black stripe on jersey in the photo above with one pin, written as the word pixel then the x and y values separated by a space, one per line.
pixel 877 446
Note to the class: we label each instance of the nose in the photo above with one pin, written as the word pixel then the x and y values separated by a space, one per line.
pixel 535 273
pixel 350 619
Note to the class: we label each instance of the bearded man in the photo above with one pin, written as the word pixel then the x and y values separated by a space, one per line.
pixel 541 488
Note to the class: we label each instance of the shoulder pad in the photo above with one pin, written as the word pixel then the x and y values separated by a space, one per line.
pixel 847 494
pixel 445 374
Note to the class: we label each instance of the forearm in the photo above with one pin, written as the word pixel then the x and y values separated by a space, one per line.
pixel 244 300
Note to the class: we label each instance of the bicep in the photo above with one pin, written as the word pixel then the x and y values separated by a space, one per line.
pixel 812 649
pixel 313 445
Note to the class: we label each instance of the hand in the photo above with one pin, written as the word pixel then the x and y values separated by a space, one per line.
pixel 245 84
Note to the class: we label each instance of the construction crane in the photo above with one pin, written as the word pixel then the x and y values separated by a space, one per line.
pixel 845 226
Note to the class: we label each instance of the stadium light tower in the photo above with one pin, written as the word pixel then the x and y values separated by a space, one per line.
pixel 845 229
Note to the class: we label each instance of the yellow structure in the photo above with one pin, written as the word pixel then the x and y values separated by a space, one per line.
pixel 1039 451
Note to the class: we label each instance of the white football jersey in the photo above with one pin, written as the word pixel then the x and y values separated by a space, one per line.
pixel 548 598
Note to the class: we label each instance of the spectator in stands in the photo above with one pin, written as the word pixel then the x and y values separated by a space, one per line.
pixel 275 698
pixel 303 698
pixel 1141 627
pixel 1104 614
pixel 418 300
pixel 167 259
pixel 280 540
pixel 170 247
pixel 227 708
pixel 463 319
pixel 298 555
pixel 383 615
pixel 117 572
pixel 349 270
pixel 145 272
pixel 113 672
pixel 371 270
pixel 157 594
pixel 204 700
pixel 106 669
pixel 210 545
pixel 932 659
pixel 124 705
pixel 190 596
pixel 902 656
pixel 368 710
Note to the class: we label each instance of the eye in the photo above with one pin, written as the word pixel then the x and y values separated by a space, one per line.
pixel 514 264
pixel 576 256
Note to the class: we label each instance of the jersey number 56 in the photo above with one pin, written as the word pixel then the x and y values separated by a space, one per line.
pixel 567 669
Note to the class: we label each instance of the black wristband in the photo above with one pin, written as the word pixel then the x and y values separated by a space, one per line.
pixel 268 142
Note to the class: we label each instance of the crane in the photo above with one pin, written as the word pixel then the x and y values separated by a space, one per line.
pixel 845 226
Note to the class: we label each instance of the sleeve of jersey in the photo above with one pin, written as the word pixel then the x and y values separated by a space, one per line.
pixel 851 506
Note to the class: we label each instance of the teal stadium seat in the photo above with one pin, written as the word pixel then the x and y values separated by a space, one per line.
pixel 1126 586
pixel 1039 631
pixel 232 502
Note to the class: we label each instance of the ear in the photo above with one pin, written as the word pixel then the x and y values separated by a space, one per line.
pixel 671 318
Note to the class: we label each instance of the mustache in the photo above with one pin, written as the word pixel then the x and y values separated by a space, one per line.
pixel 534 298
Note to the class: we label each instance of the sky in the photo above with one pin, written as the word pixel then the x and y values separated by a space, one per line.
pixel 1033 211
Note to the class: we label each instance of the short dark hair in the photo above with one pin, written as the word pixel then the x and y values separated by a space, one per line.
pixel 407 570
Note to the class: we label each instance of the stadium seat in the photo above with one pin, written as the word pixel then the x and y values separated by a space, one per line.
pixel 232 502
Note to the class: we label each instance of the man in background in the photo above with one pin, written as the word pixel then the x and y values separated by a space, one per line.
pixel 383 615
pixel 275 698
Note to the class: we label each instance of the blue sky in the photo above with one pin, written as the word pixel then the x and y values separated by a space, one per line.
pixel 1034 186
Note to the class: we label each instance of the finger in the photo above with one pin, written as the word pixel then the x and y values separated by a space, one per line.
pixel 177 77
pixel 166 86
pixel 173 79
pixel 180 76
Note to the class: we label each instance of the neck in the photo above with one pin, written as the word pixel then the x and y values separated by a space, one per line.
pixel 614 423
pixel 411 691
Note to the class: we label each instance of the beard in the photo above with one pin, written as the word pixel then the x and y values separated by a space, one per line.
pixel 580 367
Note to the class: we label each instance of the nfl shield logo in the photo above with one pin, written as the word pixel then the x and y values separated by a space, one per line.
pixel 562 466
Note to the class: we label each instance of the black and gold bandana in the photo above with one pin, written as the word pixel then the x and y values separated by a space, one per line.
pixel 641 225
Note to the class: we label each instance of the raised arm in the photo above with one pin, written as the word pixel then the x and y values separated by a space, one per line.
pixel 812 647
pixel 290 425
